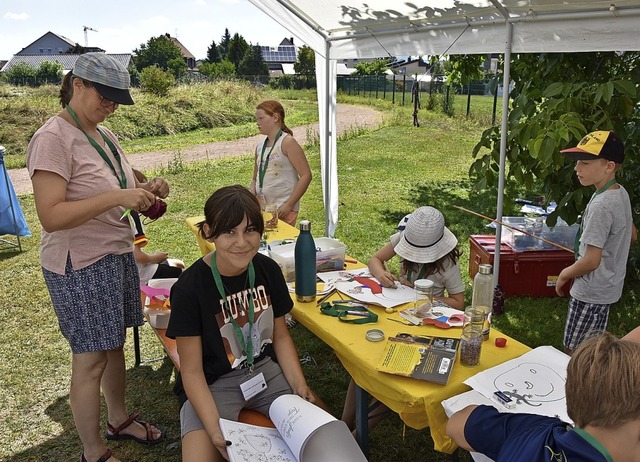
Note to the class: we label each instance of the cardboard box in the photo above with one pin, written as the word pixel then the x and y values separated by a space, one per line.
pixel 532 274
pixel 330 256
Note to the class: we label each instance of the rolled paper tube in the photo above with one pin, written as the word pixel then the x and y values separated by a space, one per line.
pixel 501 342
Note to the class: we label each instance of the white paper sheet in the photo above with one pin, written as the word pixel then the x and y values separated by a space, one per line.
pixel 534 381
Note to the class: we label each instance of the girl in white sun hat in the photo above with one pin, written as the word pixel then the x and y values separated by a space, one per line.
pixel 427 250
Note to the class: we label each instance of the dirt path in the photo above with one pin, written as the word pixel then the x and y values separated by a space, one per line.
pixel 348 117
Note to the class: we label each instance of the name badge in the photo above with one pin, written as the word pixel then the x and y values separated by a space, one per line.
pixel 253 386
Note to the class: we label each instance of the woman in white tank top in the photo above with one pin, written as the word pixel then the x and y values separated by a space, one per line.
pixel 281 174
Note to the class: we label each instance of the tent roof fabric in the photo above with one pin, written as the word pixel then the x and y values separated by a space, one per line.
pixel 381 28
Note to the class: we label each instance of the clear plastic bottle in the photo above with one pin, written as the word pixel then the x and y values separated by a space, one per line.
pixel 483 295
pixel 305 263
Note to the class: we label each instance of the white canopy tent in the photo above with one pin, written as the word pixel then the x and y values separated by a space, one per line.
pixel 378 28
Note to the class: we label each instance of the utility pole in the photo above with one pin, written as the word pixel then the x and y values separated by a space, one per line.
pixel 86 38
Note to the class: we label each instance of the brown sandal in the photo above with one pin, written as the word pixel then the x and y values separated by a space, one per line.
pixel 113 433
pixel 105 457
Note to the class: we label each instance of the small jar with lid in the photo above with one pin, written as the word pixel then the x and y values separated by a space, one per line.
pixel 423 297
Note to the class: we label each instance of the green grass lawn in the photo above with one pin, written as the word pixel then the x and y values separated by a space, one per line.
pixel 383 175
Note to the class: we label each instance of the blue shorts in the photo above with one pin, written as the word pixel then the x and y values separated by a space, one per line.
pixel 229 399
pixel 584 320
pixel 95 304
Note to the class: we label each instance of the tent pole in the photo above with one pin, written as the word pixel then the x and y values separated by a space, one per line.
pixel 327 142
pixel 503 147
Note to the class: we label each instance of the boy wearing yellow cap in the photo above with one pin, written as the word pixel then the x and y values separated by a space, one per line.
pixel 602 244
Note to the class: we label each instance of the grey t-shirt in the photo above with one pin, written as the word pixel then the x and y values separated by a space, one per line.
pixel 606 225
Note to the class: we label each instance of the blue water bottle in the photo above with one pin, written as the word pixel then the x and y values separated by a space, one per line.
pixel 305 261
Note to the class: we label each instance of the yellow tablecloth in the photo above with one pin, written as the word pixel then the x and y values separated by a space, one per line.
pixel 417 402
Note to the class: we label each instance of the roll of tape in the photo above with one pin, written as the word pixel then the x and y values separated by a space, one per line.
pixel 374 335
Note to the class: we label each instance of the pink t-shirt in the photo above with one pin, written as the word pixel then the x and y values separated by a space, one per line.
pixel 61 148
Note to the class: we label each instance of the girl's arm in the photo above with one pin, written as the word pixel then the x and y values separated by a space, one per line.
pixel 289 361
pixel 294 152
pixel 377 266
pixel 195 385
pixel 56 213
pixel 453 300
pixel 144 258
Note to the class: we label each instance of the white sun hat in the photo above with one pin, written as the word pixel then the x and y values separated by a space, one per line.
pixel 425 238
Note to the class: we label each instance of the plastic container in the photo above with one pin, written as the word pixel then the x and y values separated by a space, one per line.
pixel 159 319
pixel 562 234
pixel 305 264
pixel 330 257
pixel 482 299
pixel 532 274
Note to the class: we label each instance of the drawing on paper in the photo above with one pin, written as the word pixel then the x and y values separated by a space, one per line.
pixel 531 384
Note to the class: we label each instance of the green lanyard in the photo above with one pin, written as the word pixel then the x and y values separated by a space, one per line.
pixel 121 179
pixel 362 314
pixel 423 269
pixel 576 243
pixel 262 168
pixel 245 342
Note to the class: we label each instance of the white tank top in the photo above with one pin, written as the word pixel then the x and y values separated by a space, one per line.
pixel 280 178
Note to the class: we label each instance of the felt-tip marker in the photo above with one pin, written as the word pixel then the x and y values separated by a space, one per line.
pixel 504 400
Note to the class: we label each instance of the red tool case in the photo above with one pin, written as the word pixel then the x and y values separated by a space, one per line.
pixel 529 273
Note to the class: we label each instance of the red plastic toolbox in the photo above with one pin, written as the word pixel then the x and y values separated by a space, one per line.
pixel 532 273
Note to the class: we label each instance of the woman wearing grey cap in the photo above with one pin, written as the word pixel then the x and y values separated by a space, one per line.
pixel 83 187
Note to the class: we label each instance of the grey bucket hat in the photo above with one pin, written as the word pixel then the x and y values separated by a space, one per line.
pixel 425 238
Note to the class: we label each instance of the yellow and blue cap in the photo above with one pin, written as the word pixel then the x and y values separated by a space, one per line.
pixel 598 145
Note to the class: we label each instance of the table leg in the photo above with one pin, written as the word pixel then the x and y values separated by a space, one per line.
pixel 362 420
pixel 136 344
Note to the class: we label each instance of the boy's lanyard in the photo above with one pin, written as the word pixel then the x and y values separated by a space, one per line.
pixel 245 343
pixel 264 163
pixel 121 179
pixel 576 243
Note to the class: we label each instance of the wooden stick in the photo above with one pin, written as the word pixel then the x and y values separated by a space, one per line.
pixel 514 228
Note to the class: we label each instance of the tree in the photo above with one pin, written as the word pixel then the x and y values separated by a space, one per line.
pixel 156 81
pixel 252 63
pixel 306 62
pixel 556 100
pixel 157 51
pixel 223 48
pixel 237 48
pixel 213 55
pixel 49 72
pixel 223 69
pixel 75 50
pixel 177 66
pixel 21 74
pixel 377 67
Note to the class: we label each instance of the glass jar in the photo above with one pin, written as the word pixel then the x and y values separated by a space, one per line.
pixel 474 316
pixel 470 345
pixel 423 297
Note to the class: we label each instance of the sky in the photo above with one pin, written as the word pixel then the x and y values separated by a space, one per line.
pixel 123 26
